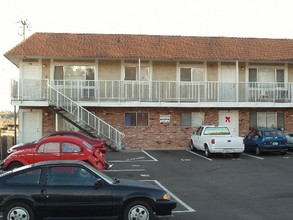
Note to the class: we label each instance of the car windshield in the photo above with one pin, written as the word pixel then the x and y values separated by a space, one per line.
pixel 88 146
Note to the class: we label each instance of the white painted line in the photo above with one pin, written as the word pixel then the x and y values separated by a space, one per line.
pixel 130 161
pixel 189 209
pixel 256 157
pixel 126 170
pixel 137 159
pixel 199 155
pixel 149 155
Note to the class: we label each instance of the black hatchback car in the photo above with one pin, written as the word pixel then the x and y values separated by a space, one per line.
pixel 76 190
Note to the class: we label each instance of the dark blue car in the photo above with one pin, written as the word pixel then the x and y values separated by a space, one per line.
pixel 261 140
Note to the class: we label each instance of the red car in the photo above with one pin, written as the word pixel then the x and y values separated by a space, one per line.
pixel 57 148
pixel 92 141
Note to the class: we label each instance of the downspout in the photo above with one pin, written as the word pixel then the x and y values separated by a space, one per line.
pixel 237 80
pixel 139 83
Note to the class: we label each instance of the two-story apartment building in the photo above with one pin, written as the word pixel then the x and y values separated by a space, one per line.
pixel 150 91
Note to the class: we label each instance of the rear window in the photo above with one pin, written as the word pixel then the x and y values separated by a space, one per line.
pixel 273 134
pixel 216 131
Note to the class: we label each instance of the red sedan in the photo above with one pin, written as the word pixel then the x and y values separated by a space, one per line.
pixel 92 141
pixel 57 148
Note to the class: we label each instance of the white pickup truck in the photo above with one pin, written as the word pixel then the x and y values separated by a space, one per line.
pixel 216 139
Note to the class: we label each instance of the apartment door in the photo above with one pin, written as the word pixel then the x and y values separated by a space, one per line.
pixel 31 126
pixel 31 83
pixel 231 120
pixel 228 84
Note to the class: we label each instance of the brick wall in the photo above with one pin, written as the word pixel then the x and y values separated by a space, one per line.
pixel 163 135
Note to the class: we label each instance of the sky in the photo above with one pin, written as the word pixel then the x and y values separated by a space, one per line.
pixel 227 18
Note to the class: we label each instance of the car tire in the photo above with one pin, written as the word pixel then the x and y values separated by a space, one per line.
pixel 191 145
pixel 138 210
pixel 258 151
pixel 18 210
pixel 284 152
pixel 14 165
pixel 207 151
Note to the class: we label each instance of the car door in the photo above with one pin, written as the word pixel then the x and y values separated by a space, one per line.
pixel 47 151
pixel 197 140
pixel 71 192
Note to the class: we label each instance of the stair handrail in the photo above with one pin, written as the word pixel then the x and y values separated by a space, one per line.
pixel 81 114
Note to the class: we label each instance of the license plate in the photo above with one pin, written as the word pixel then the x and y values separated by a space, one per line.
pixel 275 143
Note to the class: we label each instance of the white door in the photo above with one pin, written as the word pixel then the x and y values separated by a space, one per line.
pixel 231 120
pixel 228 84
pixel 31 126
pixel 32 83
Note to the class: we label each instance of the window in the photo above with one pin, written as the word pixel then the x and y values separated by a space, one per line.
pixel 191 74
pixel 136 119
pixel 191 119
pixel 70 176
pixel 70 148
pixel 136 73
pixel 51 147
pixel 30 177
pixel 266 75
pixel 267 120
pixel 74 72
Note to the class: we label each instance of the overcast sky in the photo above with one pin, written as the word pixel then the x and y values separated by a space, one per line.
pixel 229 18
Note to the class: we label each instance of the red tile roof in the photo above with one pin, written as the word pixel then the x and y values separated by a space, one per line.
pixel 122 46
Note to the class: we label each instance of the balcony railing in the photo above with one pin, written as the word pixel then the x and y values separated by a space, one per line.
pixel 154 91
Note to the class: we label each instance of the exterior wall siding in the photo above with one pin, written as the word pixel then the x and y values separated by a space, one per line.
pixel 109 70
pixel 164 71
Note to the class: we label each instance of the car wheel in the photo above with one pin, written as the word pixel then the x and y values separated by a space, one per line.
pixel 14 165
pixel 18 210
pixel 138 210
pixel 284 152
pixel 207 151
pixel 258 151
pixel 191 145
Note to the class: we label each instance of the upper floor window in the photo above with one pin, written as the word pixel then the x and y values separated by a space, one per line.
pixel 267 75
pixel 137 73
pixel 74 73
pixel 191 74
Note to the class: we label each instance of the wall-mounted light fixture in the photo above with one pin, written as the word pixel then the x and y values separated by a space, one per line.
pixel 242 68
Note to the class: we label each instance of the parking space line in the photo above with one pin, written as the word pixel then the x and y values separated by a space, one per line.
pixel 149 155
pixel 188 208
pixel 126 170
pixel 200 155
pixel 256 157
pixel 137 159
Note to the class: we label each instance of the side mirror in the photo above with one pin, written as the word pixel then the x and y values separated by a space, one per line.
pixel 193 132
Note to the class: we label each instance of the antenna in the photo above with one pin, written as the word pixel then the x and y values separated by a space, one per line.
pixel 25 25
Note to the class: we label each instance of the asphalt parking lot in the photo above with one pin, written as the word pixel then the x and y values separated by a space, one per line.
pixel 222 187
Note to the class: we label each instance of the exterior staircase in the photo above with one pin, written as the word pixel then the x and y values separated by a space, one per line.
pixel 84 119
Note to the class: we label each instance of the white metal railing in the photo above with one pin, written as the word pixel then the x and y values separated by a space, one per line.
pixel 83 115
pixel 154 91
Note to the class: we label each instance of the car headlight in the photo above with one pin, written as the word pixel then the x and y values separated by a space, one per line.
pixel 166 196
